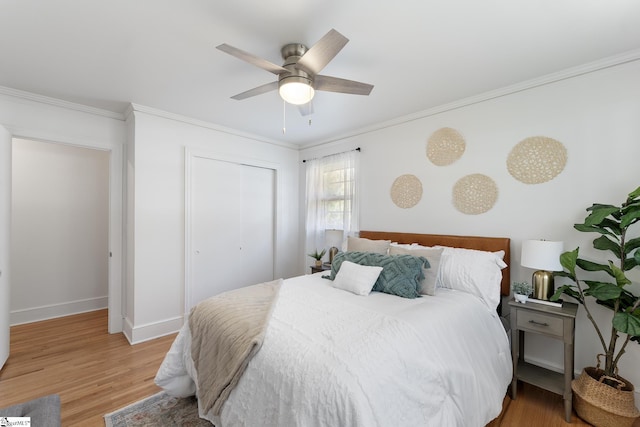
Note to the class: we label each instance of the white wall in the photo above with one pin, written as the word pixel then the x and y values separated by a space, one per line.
pixel 60 245
pixel 596 117
pixel 156 236
pixel 36 117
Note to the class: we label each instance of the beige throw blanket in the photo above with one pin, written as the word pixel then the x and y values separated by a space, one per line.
pixel 227 330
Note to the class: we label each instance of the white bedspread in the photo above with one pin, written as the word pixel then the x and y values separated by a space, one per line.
pixel 331 358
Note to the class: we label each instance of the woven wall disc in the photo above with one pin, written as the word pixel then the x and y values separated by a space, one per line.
pixel 406 191
pixel 445 146
pixel 474 194
pixel 537 159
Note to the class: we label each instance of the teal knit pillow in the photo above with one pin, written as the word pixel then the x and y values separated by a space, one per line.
pixel 401 274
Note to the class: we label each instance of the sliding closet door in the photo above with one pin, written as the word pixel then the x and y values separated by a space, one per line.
pixel 257 217
pixel 215 227
pixel 232 227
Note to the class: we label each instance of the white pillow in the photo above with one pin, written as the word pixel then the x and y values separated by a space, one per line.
pixel 356 278
pixel 360 244
pixel 476 272
pixel 433 255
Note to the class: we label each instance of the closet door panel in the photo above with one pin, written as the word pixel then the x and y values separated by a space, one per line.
pixel 258 220
pixel 215 228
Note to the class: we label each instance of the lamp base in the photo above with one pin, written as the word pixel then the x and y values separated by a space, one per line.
pixel 543 287
pixel 332 253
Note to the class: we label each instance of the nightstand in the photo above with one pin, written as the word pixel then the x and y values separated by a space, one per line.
pixel 323 267
pixel 553 322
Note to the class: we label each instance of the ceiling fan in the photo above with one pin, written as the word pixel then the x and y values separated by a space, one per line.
pixel 298 77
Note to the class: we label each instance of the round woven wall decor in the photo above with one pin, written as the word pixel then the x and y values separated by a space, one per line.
pixel 537 159
pixel 475 194
pixel 406 191
pixel 445 146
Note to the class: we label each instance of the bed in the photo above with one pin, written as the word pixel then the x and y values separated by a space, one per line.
pixel 331 357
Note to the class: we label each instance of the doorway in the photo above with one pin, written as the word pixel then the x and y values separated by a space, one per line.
pixel 60 230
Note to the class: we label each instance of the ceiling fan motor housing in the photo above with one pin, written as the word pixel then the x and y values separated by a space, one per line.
pixel 296 85
pixel 291 53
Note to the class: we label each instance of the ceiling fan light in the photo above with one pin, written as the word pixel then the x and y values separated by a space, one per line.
pixel 296 93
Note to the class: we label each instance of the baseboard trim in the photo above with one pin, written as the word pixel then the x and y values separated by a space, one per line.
pixel 52 311
pixel 149 331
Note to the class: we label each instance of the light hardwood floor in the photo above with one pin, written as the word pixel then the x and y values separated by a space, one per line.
pixel 96 373
pixel 93 372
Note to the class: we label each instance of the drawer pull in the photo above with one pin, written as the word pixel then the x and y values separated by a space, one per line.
pixel 538 323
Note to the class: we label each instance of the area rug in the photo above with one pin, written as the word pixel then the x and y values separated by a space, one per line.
pixel 158 410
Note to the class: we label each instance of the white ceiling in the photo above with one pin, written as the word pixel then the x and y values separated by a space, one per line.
pixel 419 54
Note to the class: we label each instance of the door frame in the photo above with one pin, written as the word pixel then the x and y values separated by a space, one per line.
pixel 116 230
pixel 189 155
pixel 5 253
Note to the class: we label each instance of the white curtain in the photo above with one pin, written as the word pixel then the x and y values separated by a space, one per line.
pixel 331 198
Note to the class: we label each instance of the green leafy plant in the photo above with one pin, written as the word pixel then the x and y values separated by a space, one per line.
pixel 612 223
pixel 522 288
pixel 318 255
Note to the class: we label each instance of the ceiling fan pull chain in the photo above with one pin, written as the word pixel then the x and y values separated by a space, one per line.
pixel 284 117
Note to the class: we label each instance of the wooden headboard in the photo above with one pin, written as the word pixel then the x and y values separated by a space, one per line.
pixel 490 244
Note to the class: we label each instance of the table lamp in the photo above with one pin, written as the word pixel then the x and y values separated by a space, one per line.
pixel 333 238
pixel 543 255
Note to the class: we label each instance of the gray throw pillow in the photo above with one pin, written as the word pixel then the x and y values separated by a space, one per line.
pixel 401 274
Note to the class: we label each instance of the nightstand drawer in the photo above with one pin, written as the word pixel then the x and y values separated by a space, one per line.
pixel 537 322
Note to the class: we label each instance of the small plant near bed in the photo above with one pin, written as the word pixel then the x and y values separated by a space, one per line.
pixel 521 291
pixel 522 288
pixel 318 256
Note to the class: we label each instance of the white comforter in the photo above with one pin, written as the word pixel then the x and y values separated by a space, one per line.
pixel 332 358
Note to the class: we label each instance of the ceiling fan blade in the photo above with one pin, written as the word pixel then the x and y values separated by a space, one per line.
pixel 335 84
pixel 306 109
pixel 256 91
pixel 321 53
pixel 252 59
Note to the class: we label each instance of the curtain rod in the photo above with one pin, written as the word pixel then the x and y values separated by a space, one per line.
pixel 329 155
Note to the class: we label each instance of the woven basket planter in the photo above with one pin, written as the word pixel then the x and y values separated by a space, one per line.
pixel 603 405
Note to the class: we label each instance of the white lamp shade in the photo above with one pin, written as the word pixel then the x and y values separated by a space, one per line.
pixel 542 255
pixel 333 238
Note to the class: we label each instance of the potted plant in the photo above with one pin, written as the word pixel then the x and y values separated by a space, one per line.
pixel 318 256
pixel 613 224
pixel 521 291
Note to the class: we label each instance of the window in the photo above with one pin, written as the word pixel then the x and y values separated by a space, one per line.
pixel 337 196
pixel 332 202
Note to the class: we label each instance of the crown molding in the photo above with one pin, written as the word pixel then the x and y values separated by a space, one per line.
pixel 29 96
pixel 602 64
